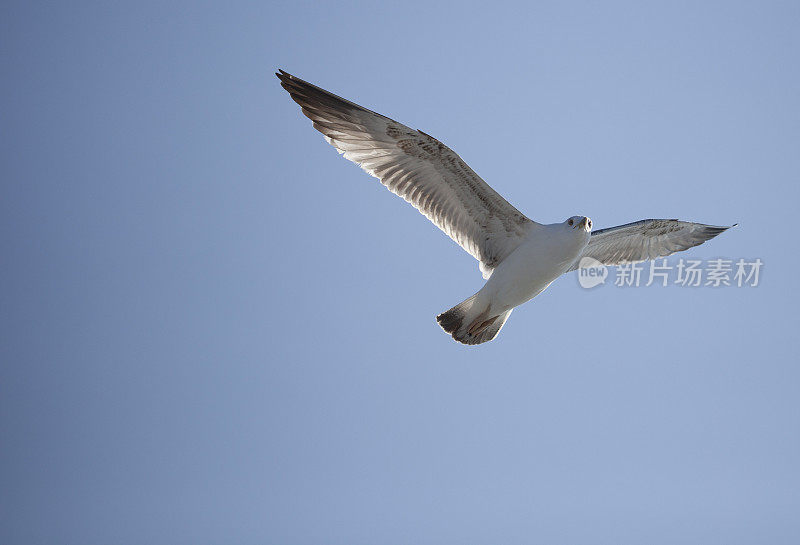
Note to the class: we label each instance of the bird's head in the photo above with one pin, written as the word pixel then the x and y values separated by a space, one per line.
pixel 579 222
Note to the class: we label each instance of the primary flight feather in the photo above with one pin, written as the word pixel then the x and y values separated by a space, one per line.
pixel 517 255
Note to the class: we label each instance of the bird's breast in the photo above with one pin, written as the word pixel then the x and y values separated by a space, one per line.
pixel 532 267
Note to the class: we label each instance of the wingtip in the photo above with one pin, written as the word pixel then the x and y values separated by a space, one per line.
pixel 722 228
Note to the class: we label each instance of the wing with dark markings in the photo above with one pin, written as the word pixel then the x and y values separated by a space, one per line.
pixel 418 168
pixel 645 240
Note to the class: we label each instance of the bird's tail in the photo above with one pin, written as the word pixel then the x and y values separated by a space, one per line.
pixel 469 322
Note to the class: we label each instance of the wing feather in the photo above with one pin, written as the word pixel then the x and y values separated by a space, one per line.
pixel 645 240
pixel 420 169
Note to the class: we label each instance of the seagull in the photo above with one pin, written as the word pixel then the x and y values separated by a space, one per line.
pixel 518 257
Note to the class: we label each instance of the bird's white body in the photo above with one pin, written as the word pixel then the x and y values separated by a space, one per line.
pixel 544 253
pixel 547 252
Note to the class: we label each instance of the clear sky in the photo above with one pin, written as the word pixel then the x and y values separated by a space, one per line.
pixel 216 330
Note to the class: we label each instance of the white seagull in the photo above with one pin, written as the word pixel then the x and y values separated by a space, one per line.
pixel 518 256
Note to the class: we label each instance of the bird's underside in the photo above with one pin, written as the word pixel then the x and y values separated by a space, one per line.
pixel 438 183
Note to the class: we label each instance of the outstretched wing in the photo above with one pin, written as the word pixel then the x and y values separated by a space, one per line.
pixel 645 240
pixel 420 169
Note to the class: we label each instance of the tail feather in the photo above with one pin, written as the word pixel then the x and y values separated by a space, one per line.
pixel 453 319
pixel 491 330
pixel 469 324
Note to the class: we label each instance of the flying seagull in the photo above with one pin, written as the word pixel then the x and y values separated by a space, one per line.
pixel 518 257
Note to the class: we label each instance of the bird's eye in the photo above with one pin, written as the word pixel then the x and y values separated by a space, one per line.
pixel 590 224
pixel 570 222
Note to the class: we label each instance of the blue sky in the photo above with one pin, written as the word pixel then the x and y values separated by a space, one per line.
pixel 216 330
